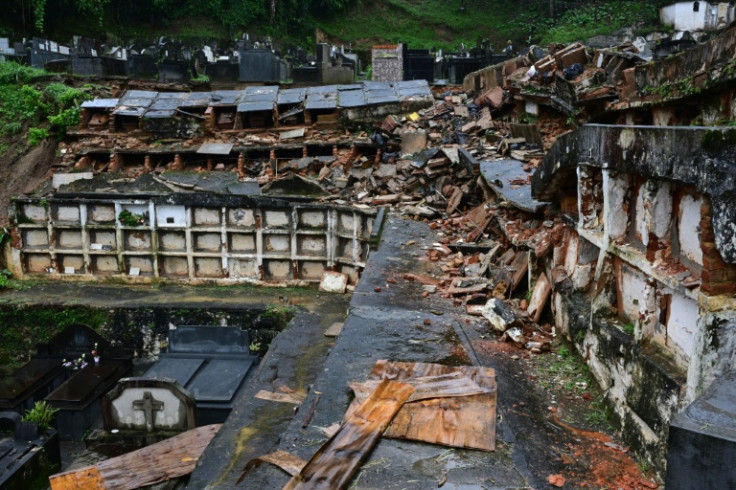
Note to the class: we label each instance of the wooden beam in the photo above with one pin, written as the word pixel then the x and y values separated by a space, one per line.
pixel 156 463
pixel 335 463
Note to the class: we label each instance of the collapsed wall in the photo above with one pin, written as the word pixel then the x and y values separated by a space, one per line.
pixel 644 270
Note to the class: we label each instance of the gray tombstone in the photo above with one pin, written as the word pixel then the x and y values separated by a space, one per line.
pixel 149 404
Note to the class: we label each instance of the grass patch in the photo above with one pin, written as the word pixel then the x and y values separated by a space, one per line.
pixel 423 23
pixel 437 24
pixel 564 372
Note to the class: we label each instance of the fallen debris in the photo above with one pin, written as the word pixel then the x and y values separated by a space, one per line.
pixel 293 398
pixel 286 461
pixel 451 406
pixel 333 282
pixel 499 314
pixel 165 460
pixel 335 463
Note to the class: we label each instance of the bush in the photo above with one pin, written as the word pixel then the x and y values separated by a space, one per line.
pixel 36 135
pixel 64 120
pixel 5 274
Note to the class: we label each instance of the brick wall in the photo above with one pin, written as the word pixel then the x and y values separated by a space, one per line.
pixel 718 277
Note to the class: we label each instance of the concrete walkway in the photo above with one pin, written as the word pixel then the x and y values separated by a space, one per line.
pixel 389 324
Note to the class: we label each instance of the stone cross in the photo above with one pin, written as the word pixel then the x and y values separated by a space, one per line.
pixel 148 405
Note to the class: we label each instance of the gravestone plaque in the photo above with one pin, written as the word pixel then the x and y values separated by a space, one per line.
pixel 149 404
pixel 222 340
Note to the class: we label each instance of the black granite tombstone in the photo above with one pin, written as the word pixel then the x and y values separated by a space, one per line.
pixel 418 65
pixel 222 71
pixel 258 65
pixel 702 440
pixel 44 372
pixel 142 66
pixel 174 71
pixel 211 363
pixel 77 398
pixel 458 67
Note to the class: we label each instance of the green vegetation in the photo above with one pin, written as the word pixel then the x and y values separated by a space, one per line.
pixel 280 313
pixel 36 135
pixel 598 18
pixel 41 109
pixel 130 219
pixel 42 414
pixel 419 23
pixel 5 276
pixel 567 374
pixel 628 328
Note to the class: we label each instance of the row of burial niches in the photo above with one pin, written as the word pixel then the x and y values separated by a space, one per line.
pixel 105 393
pixel 226 240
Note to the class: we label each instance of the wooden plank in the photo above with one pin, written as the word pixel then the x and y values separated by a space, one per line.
pixel 466 420
pixel 520 266
pixel 294 398
pixel 286 461
pixel 476 288
pixel 335 463
pixel 156 463
pixel 442 386
pixel 88 478
pixel 539 297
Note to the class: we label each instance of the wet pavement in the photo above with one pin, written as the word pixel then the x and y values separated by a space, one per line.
pixel 389 324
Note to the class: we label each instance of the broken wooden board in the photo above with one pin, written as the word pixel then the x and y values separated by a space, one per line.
pixel 335 463
pixel 451 406
pixel 539 297
pixel 88 478
pixel 286 461
pixel 455 199
pixel 165 460
pixel 294 398
pixel 476 288
pixel 519 266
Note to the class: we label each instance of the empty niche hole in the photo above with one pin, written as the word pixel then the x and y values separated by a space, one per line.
pixel 170 220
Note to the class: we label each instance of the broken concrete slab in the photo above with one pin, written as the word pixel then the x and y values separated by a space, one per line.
pixel 295 185
pixel 501 316
pixel 413 142
pixel 333 282
pixel 505 177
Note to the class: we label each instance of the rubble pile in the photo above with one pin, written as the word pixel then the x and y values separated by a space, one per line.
pixel 465 164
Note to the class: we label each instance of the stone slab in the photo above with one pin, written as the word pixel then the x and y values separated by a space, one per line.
pixel 333 282
pixel 500 175
pixel 219 380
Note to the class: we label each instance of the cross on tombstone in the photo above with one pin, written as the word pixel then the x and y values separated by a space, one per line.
pixel 148 405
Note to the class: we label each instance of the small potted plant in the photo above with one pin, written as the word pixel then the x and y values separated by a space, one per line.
pixel 40 415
